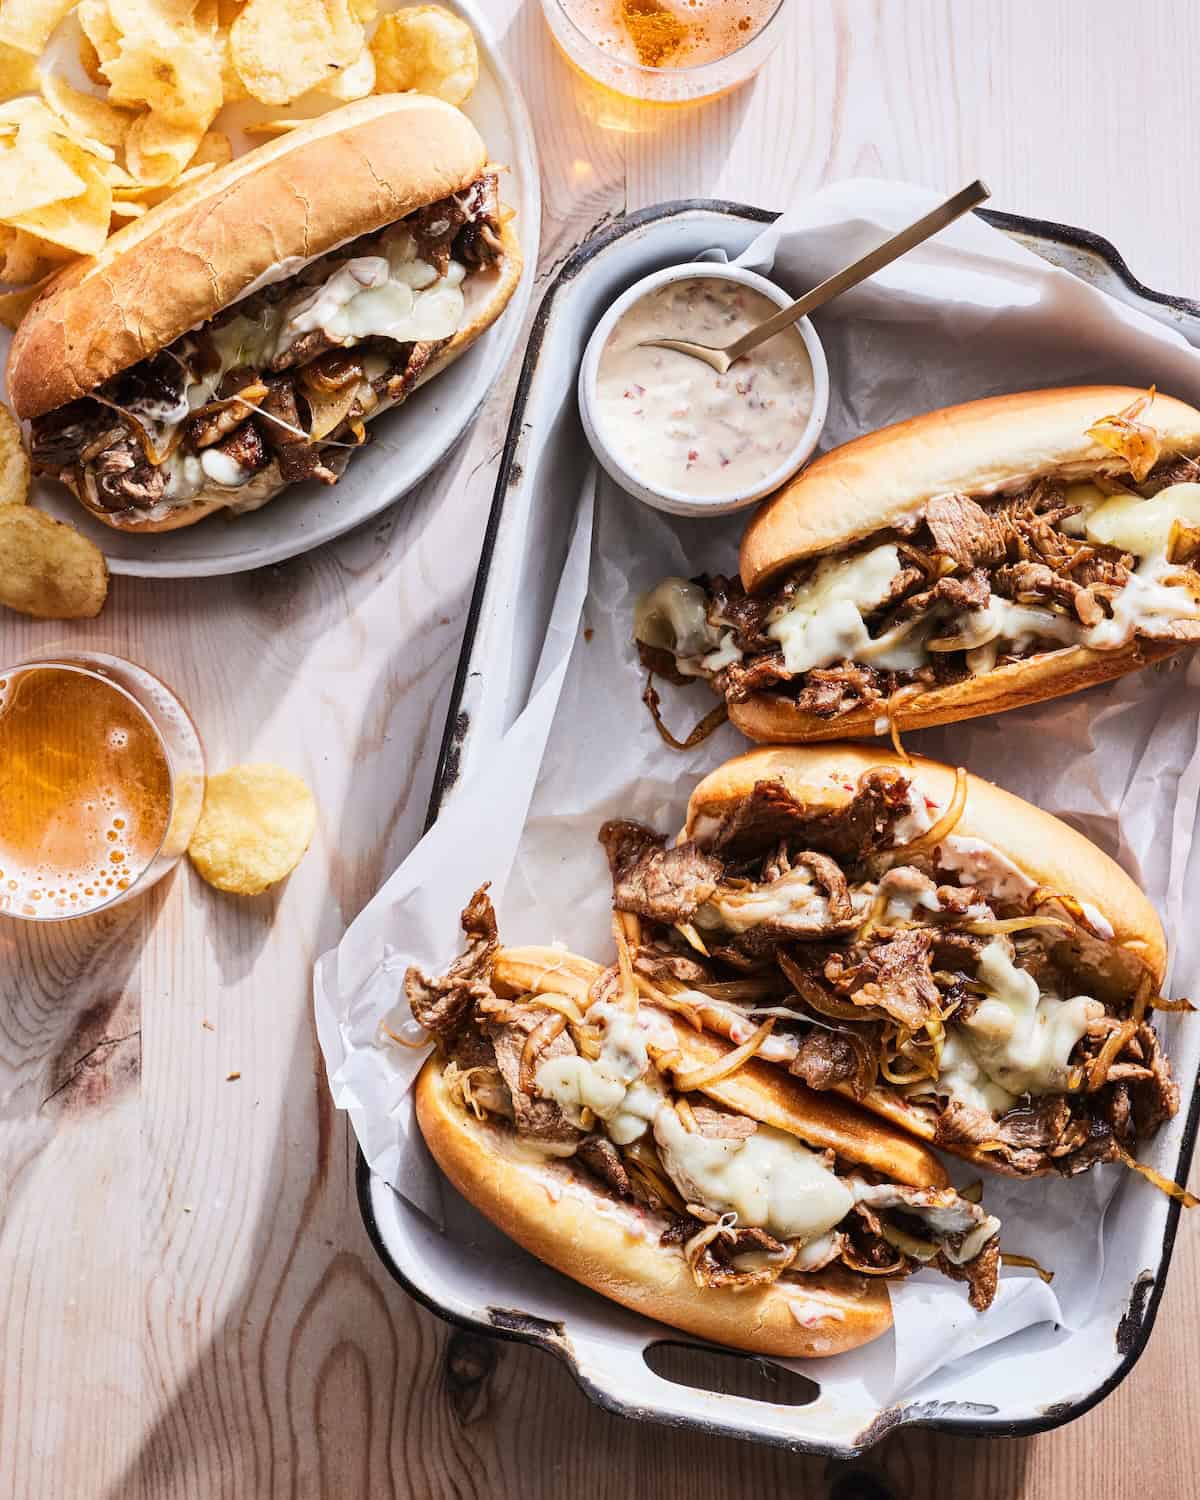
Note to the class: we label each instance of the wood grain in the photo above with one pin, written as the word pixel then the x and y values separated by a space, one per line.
pixel 188 1303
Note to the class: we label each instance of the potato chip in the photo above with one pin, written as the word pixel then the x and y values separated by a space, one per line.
pixel 18 71
pixel 14 461
pixel 127 208
pixel 79 223
pixel 353 82
pixel 148 196
pixel 14 305
pixel 256 824
pixel 428 49
pixel 86 116
pixel 89 60
pixel 101 32
pixel 283 48
pixel 158 149
pixel 28 24
pixel 24 257
pixel 47 568
pixel 32 175
pixel 271 127
pixel 174 69
pixel 216 148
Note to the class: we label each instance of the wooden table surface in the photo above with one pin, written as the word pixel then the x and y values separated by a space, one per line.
pixel 188 1303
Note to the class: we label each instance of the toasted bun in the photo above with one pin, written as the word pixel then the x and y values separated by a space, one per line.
pixel 1044 848
pixel 344 174
pixel 773 720
pixel 487 294
pixel 979 448
pixel 757 1089
pixel 553 1211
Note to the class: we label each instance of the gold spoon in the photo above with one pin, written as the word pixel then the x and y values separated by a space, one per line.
pixel 883 255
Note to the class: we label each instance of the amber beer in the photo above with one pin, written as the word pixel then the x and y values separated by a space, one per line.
pixel 101 776
pixel 665 51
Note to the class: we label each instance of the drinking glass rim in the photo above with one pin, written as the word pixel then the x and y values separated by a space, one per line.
pixel 653 72
pixel 64 663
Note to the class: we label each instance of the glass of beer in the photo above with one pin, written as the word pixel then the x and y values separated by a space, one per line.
pixel 101 784
pixel 666 51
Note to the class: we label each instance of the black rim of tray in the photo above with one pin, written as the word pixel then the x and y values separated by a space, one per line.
pixel 1137 1322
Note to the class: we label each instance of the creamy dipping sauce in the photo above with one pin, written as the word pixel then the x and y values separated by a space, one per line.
pixel 678 425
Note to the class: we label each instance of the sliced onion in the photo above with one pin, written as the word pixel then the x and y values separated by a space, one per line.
pixel 629 991
pixel 1164 1184
pixel 688 932
pixel 986 925
pixel 1028 1262
pixel 946 824
pixel 709 724
pixel 535 1044
pixel 709 1073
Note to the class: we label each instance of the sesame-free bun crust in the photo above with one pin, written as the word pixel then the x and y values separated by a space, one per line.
pixel 978 448
pixel 757 1089
pixel 346 173
pixel 551 1210
pixel 487 294
pixel 1043 847
pixel 772 719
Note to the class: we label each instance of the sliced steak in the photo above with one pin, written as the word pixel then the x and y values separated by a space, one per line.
pixel 894 976
pixel 829 692
pixel 441 1005
pixel 964 531
pixel 664 885
pixel 535 1118
pixel 603 1160
pixel 849 833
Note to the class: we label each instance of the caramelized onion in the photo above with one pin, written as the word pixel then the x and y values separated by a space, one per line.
pixel 1028 1262
pixel 709 724
pixel 709 1073
pixel 629 992
pixel 986 925
pixel 1136 442
pixel 946 824
pixel 536 1043
pixel 692 937
pixel 1164 1184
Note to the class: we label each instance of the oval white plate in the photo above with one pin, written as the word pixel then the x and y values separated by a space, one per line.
pixel 406 443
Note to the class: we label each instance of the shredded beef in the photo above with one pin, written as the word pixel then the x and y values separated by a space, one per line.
pixel 664 885
pixel 737 682
pixel 964 531
pixel 603 1159
pixel 827 1058
pixel 441 1005
pixel 720 1125
pixel 1171 471
pixel 731 608
pixel 849 833
pixel 1156 1098
pixel 535 1118
pixel 1038 583
pixel 713 1267
pixel 125 477
pixel 830 691
pixel 895 976
pixel 1026 1139
pixel 981 1274
pixel 969 592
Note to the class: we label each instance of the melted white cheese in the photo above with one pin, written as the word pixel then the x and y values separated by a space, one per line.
pixel 673 617
pixel 394 295
pixel 1142 526
pixel 981 864
pixel 619 1087
pixel 1145 601
pixel 769 1180
pixel 1019 1039
pixel 792 895
pixel 823 621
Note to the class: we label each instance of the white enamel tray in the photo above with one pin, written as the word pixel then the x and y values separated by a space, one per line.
pixel 407 443
pixel 473 1275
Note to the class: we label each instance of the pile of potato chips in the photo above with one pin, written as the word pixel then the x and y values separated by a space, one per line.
pixel 77 164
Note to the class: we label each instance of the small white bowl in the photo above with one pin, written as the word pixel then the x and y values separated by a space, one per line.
pixel 675 501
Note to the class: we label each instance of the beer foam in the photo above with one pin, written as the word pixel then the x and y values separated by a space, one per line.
pixel 715 28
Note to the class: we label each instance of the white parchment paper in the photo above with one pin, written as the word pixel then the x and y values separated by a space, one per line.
pixel 967 315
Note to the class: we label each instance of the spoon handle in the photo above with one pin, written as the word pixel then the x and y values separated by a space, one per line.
pixel 874 260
